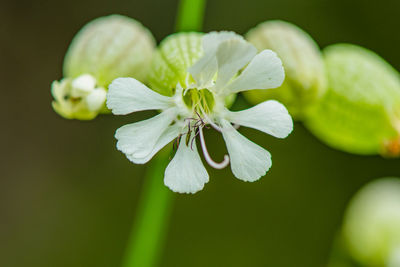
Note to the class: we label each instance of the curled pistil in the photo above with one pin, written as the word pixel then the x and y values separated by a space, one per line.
pixel 207 157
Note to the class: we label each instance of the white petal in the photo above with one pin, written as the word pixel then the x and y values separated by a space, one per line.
pixel 232 55
pixel 83 85
pixel 167 136
pixel 95 100
pixel 265 71
pixel 138 139
pixel 186 173
pixel 212 40
pixel 204 70
pixel 249 161
pixel 270 117
pixel 126 95
pixel 206 67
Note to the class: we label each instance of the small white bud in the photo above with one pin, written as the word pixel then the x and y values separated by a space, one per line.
pixel 83 85
pixel 96 99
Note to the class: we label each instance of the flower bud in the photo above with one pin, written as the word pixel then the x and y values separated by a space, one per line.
pixel 360 112
pixel 305 80
pixel 78 98
pixel 104 49
pixel 371 228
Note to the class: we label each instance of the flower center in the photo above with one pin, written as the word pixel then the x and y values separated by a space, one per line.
pixel 201 101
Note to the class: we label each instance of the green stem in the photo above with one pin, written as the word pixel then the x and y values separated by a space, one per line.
pixel 150 229
pixel 149 232
pixel 190 15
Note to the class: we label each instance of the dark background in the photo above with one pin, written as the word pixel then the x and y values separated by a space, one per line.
pixel 68 197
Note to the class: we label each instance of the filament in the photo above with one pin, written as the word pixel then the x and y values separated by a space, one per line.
pixel 209 121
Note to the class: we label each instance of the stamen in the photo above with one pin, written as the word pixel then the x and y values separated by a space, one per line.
pixel 190 119
pixel 194 138
pixel 175 145
pixel 216 127
pixel 207 157
pixel 209 121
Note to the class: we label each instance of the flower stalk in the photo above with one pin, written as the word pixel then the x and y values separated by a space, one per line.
pixel 150 228
pixel 190 15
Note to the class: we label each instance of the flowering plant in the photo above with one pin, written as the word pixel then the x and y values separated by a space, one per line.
pixel 228 65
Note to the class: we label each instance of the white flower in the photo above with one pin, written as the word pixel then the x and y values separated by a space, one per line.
pixel 78 98
pixel 201 102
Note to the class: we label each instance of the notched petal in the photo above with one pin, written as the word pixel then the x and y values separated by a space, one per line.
pixel 232 55
pixel 270 117
pixel 138 139
pixel 186 172
pixel 166 137
pixel 206 67
pixel 249 161
pixel 265 71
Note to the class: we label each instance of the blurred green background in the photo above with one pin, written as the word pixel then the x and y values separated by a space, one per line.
pixel 68 197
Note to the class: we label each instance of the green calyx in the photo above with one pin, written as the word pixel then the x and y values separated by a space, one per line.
pixel 110 47
pixel 174 56
pixel 169 66
pixel 305 80
pixel 200 101
pixel 371 231
pixel 360 113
